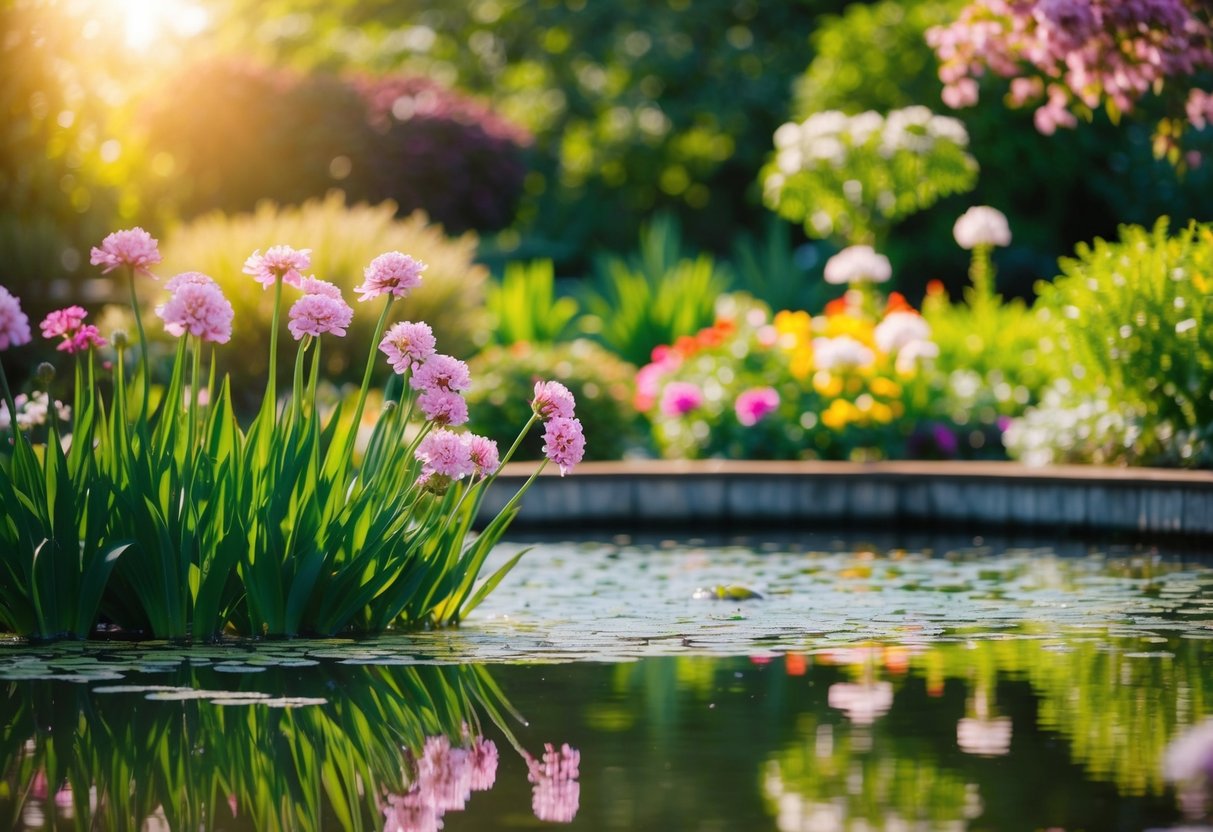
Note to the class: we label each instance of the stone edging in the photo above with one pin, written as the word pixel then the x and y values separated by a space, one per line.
pixel 987 494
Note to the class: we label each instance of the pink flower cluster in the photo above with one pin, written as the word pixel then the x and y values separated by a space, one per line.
pixel 321 310
pixel 441 380
pixel 68 325
pixel 131 247
pixel 278 263
pixel 453 456
pixel 14 324
pixel 391 273
pixel 197 307
pixel 445 779
pixel 407 345
pixel 755 404
pixel 556 795
pixel 1074 53
pixel 680 398
pixel 563 436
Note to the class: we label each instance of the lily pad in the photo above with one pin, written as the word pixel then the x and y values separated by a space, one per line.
pixel 720 592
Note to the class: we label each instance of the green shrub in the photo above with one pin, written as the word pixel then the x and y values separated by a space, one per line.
pixel 344 239
pixel 1131 320
pixel 523 305
pixel 503 381
pixel 655 296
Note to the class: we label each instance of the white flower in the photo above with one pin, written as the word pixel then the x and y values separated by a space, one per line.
pixel 858 264
pixel 842 352
pixel 909 356
pixel 1189 756
pixel 899 329
pixel 982 225
pixel 788 135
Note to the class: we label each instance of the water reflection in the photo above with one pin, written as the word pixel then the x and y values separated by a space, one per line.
pixel 356 747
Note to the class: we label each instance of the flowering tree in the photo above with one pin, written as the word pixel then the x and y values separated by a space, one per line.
pixel 1068 58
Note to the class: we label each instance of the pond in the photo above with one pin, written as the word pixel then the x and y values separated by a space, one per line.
pixel 804 682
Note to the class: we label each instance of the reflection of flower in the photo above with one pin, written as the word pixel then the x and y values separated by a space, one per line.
pixel 557 794
pixel 863 704
pixel 985 737
pixel 1189 757
pixel 446 777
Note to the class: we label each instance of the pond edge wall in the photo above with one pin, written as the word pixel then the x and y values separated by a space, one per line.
pixel 718 493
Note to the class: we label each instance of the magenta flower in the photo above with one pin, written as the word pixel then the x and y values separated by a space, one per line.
pixel 441 372
pixel 133 247
pixel 278 263
pixel 443 407
pixel 198 309
pixel 446 453
pixel 392 272
pixel 564 442
pixel 755 404
pixel 487 460
pixel 552 399
pixel 14 324
pixel 196 278
pixel 87 337
pixel 680 397
pixel 316 315
pixel 407 344
pixel 62 322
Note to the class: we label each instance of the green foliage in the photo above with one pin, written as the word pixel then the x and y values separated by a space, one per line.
pixel 284 762
pixel 503 379
pixel 769 269
pixel 653 297
pixel 614 94
pixel 1057 190
pixel 523 306
pixel 343 240
pixel 1130 319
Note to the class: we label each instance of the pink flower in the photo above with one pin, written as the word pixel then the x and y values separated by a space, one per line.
pixel 133 247
pixel 278 263
pixel 62 322
pixel 483 752
pixel 391 272
pixel 755 404
pixel 317 314
pixel 313 286
pixel 858 264
pixel 487 460
pixel 197 278
pixel 85 338
pixel 407 344
pixel 442 372
pixel 198 309
pixel 444 407
pixel 982 225
pixel 14 324
pixel 446 453
pixel 564 442
pixel 557 793
pixel 680 397
pixel 552 399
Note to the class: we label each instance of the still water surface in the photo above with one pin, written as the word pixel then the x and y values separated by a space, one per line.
pixel 876 684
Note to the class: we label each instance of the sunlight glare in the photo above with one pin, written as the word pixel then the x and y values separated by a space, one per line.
pixel 146 21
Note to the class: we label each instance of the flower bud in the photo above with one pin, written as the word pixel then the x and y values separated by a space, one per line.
pixel 119 339
pixel 44 374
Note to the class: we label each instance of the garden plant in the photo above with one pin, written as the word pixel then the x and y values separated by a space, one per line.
pixel 154 508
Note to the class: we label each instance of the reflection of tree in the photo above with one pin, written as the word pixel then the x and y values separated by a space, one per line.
pixel 392 744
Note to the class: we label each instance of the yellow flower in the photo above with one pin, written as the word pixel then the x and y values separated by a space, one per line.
pixel 839 414
pixel 827 384
pixel 858 328
pixel 884 388
pixel 801 362
pixel 881 413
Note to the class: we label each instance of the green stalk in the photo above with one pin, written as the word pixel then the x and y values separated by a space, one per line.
pixel 342 462
pixel 297 381
pixel 8 400
pixel 142 346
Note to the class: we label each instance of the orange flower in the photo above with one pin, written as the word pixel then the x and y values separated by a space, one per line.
pixel 897 303
pixel 935 287
pixel 686 345
pixel 838 306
